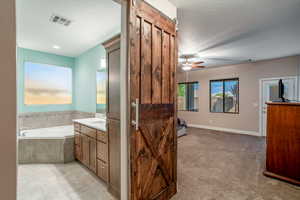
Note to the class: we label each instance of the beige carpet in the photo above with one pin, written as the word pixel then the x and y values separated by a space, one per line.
pixel 222 166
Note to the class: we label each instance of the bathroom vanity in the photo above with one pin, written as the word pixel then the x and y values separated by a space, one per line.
pixel 91 145
pixel 97 143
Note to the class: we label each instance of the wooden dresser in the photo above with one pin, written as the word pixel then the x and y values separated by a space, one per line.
pixel 283 142
pixel 91 149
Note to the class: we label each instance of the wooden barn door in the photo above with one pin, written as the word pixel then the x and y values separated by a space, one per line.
pixel 153 142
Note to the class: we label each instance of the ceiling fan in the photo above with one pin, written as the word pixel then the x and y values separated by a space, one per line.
pixel 187 64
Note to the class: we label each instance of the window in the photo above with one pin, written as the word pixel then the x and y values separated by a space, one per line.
pixel 224 96
pixel 188 96
pixel 47 84
pixel 101 91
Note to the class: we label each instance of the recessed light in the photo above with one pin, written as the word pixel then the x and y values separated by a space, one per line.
pixel 56 47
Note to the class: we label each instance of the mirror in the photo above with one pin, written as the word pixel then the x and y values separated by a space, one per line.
pixel 101 89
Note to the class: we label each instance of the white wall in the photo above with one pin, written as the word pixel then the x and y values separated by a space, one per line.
pixel 8 105
pixel 165 7
pixel 249 74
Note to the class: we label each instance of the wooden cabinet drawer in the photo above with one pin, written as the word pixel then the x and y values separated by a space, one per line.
pixel 102 136
pixel 102 170
pixel 77 127
pixel 102 151
pixel 88 131
pixel 77 138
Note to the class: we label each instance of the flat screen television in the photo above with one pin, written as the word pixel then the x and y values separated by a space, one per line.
pixel 281 90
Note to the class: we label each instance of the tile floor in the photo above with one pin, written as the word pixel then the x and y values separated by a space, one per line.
pixel 70 181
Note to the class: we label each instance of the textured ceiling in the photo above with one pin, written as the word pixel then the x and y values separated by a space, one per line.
pixel 238 30
pixel 93 22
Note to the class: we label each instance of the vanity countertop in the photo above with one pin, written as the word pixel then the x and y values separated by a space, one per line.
pixel 97 123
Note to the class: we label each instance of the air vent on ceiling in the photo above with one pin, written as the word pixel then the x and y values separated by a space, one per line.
pixel 60 20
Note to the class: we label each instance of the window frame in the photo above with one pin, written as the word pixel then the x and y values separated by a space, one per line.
pixel 51 64
pixel 223 82
pixel 191 82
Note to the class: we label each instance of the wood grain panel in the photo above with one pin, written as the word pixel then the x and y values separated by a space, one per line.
pixel 93 155
pixel 114 92
pixel 88 131
pixel 102 136
pixel 172 69
pixel 146 62
pixel 114 156
pixel 152 74
pixel 166 68
pixel 77 127
pixel 102 151
pixel 156 66
pixel 77 138
pixel 155 17
pixel 102 170
pixel 85 150
pixel 78 152
pixel 135 62
pixel 283 142
pixel 154 149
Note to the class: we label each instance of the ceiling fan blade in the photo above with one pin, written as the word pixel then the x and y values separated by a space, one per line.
pixel 223 59
pixel 198 66
pixel 198 63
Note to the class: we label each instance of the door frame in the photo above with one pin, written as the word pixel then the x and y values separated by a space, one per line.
pixel 261 96
pixel 124 99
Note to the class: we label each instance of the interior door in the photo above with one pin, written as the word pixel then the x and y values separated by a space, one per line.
pixel 153 141
pixel 270 92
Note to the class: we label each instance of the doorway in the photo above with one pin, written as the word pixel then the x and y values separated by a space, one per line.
pixel 65 66
pixel 269 92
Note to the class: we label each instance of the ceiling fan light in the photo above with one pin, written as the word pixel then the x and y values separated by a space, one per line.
pixel 186 67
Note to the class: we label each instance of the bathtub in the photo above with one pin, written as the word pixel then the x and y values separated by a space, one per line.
pixel 46 145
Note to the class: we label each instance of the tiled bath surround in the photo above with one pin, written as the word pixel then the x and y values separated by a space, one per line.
pixel 27 121
pixel 47 149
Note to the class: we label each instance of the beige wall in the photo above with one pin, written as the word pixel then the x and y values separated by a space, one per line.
pixel 249 75
pixel 8 100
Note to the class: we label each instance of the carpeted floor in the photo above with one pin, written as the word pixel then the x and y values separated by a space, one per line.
pixel 222 166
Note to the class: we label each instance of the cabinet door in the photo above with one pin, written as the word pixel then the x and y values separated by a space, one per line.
pixel 78 146
pixel 114 92
pixel 93 157
pixel 85 150
pixel 102 171
pixel 114 156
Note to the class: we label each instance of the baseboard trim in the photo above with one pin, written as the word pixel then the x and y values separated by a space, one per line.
pixel 252 133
